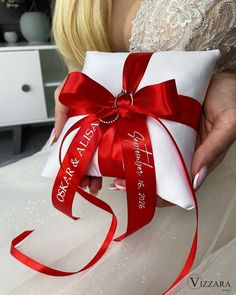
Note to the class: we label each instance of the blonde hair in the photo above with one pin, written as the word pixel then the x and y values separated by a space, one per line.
pixel 81 25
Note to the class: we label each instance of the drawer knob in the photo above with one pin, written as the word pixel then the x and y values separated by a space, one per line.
pixel 25 88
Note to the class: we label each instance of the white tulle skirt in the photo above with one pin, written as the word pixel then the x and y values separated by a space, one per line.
pixel 147 262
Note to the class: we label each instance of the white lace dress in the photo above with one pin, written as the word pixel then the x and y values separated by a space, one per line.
pixel 148 261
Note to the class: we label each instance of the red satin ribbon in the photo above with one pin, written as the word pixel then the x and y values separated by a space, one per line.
pixel 125 150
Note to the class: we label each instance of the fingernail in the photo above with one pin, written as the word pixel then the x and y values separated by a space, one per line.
pixel 199 177
pixel 121 188
pixel 113 188
pixel 52 137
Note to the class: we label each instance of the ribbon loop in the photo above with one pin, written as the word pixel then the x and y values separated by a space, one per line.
pixel 83 95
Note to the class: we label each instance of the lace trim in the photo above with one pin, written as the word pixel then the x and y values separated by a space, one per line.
pixel 138 25
pixel 187 25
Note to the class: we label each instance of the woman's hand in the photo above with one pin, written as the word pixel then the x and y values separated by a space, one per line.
pixel 61 113
pixel 216 133
pixel 61 116
pixel 217 129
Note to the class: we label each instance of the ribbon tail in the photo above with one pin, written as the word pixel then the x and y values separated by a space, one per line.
pixel 139 172
pixel 110 148
pixel 66 205
pixel 37 266
pixel 192 253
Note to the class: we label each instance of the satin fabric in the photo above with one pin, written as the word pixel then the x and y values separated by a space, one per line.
pixel 191 80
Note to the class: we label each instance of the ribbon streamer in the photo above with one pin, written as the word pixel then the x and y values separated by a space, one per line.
pixel 117 127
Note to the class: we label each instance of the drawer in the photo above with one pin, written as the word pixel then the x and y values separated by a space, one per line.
pixel 21 87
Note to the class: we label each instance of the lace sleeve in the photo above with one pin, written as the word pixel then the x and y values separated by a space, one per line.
pixel 218 31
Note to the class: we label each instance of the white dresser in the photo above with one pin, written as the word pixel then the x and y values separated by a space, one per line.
pixel 29 75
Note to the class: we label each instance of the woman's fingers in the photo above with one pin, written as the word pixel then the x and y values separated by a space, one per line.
pixel 85 182
pixel 95 185
pixel 61 116
pixel 61 113
pixel 218 125
pixel 216 143
pixel 120 184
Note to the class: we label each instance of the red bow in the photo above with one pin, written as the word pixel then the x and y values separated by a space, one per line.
pixel 117 125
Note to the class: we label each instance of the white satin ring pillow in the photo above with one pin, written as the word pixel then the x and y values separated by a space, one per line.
pixel 192 71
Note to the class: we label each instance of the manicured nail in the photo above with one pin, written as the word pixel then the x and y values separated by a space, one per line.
pixel 112 187
pixel 199 177
pixel 121 188
pixel 52 137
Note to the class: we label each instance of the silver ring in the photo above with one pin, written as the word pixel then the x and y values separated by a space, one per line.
pixel 124 91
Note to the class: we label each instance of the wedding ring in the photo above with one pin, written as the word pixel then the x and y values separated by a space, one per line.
pixel 123 91
pixel 115 106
